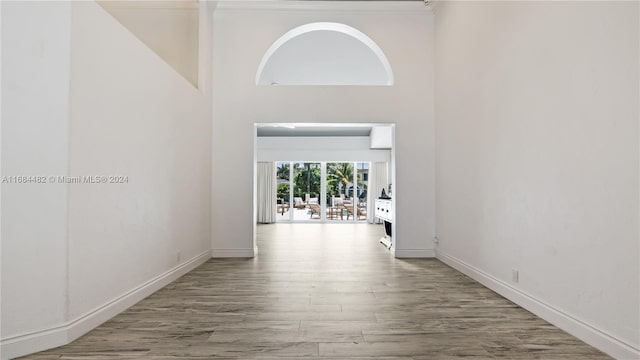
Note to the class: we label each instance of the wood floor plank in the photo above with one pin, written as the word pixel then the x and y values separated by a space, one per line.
pixel 324 292
pixel 399 348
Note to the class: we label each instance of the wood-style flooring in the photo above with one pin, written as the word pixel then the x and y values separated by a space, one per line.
pixel 329 292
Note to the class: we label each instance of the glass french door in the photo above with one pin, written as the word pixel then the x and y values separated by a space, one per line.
pixel 322 191
pixel 283 191
pixel 306 188
pixel 362 193
pixel 339 185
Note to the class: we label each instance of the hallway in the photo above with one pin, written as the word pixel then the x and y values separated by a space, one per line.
pixel 324 291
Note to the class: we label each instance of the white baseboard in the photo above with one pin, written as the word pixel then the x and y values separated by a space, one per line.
pixel 29 343
pixel 588 333
pixel 33 342
pixel 233 253
pixel 413 253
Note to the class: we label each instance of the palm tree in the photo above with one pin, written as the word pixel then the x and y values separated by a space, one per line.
pixel 306 177
pixel 283 171
pixel 339 175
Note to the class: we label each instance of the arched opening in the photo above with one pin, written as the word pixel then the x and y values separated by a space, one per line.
pixel 324 53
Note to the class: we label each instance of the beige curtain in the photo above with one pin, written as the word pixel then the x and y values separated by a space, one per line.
pixel 266 196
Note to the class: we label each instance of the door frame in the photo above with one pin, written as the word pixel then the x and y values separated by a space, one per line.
pixel 392 179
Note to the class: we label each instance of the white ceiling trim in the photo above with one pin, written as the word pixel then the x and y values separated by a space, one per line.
pixel 191 5
pixel 404 7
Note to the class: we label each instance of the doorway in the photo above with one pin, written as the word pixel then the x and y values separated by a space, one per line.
pixel 324 173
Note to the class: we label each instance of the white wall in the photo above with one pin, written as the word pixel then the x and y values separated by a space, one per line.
pixel 330 148
pixel 82 96
pixel 35 125
pixel 538 158
pixel 240 40
pixel 169 28
pixel 132 115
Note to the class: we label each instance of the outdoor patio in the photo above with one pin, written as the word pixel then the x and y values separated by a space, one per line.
pixel 337 214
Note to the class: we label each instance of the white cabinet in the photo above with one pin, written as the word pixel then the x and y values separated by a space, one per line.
pixel 383 210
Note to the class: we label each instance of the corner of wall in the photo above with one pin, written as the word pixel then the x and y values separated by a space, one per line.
pixel 576 327
pixel 71 330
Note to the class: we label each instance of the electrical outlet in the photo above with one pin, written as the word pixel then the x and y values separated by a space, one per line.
pixel 515 275
pixel 436 240
pixel 179 256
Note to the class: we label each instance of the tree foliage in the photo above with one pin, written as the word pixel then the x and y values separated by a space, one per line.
pixel 306 179
pixel 339 175
pixel 283 191
pixel 282 172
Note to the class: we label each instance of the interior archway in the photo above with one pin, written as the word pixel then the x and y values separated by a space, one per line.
pixel 324 53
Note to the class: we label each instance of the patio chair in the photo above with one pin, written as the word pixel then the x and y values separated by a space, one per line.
pixel 298 203
pixel 337 205
pixel 360 212
pixel 315 210
pixel 282 206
